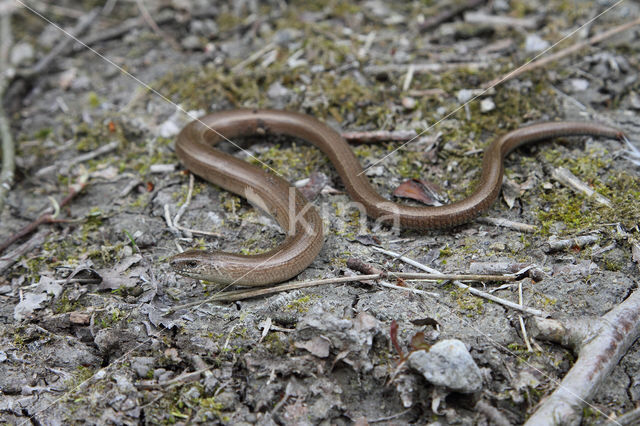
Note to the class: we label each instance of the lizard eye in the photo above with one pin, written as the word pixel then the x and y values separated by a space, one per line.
pixel 191 263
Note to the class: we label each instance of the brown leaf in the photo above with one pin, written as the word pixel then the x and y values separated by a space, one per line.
pixel 420 190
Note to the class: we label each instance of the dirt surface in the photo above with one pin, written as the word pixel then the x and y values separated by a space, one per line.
pixel 86 336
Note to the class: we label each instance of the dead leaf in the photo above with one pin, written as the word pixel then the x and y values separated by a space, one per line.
pixel 318 346
pixel 30 303
pixel 426 192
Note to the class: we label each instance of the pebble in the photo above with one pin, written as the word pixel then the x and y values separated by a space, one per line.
pixel 409 102
pixel 142 365
pixel 534 43
pixel 448 364
pixel 579 84
pixel 21 54
pixel 487 105
pixel 464 95
pixel 191 42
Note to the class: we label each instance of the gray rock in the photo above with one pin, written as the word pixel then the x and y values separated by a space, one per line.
pixel 279 94
pixel 487 105
pixel 21 54
pixel 535 43
pixel 448 364
pixel 191 42
pixel 142 365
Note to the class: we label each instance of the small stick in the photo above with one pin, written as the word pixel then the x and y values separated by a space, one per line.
pixel 232 296
pixel 379 136
pixel 506 223
pixel 366 268
pixel 410 289
pixel 49 216
pixel 252 58
pixel 474 291
pixel 629 418
pixel 425 67
pixel 500 20
pixel 564 176
pixel 408 78
pixel 183 208
pixel 555 245
pixel 564 52
pixel 522 327
pixel 186 203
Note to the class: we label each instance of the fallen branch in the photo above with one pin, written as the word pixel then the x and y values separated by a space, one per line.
pixel 474 291
pixel 599 347
pixel 564 52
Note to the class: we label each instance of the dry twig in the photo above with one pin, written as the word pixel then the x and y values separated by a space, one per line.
pixel 474 291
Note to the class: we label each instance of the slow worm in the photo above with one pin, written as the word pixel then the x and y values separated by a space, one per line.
pixel 194 147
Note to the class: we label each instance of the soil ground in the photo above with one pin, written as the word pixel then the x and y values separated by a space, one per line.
pixel 80 351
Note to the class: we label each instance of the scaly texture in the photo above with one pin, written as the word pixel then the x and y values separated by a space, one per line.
pixel 287 205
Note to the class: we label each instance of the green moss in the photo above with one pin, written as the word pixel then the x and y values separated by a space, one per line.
pixel 93 99
pixel 275 345
pixel 612 265
pixel 300 305
pixel 108 319
pixel 467 302
pixel 580 213
pixel 64 305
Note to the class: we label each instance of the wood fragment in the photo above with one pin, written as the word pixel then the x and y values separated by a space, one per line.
pixel 422 68
pixel 379 136
pixel 610 338
pixel 506 223
pixel 482 18
pixel 553 244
